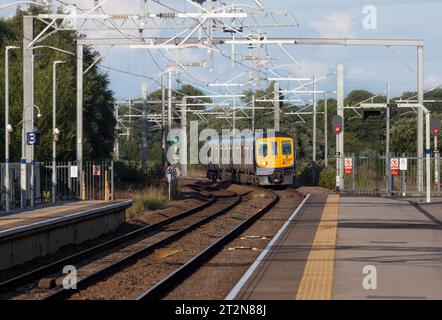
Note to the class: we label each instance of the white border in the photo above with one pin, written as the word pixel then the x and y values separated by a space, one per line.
pixel 233 293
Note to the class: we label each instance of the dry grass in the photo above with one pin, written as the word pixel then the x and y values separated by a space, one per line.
pixel 197 171
pixel 150 198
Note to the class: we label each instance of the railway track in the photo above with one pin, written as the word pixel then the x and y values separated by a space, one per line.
pixel 177 277
pixel 30 278
pixel 142 249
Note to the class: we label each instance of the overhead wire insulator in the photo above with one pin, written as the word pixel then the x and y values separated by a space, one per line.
pixel 167 15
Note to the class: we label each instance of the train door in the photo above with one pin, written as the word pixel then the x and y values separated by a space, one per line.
pixel 276 154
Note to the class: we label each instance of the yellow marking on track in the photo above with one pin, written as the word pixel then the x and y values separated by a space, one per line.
pixel 317 280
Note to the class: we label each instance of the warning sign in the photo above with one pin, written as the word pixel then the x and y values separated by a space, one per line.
pixel 348 165
pixel 394 166
pixel 96 170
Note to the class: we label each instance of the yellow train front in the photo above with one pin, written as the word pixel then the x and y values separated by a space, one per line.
pixel 262 160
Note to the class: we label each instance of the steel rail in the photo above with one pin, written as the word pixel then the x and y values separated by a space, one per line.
pixel 59 264
pixel 133 257
pixel 167 284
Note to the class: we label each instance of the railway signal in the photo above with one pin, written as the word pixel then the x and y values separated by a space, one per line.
pixel 435 126
pixel 337 124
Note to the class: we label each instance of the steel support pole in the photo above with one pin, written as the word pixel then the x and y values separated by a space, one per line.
pixel 420 117
pixel 117 137
pixel 387 145
pixel 325 129
pixel 144 137
pixel 340 112
pixel 234 115
pixel 80 118
pixel 428 157
pixel 28 104
pixel 169 104
pixel 276 107
pixel 253 113
pixel 183 138
pixel 163 124
pixel 7 182
pixel 54 125
pixel 315 107
pixel 436 165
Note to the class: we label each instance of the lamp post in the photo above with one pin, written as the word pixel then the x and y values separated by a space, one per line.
pixel 8 128
pixel 55 131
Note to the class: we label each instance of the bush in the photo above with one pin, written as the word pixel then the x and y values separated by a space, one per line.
pixel 308 173
pixel 327 178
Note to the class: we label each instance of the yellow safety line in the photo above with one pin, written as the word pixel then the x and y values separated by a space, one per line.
pixel 317 279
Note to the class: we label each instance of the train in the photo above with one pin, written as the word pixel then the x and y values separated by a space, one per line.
pixel 256 159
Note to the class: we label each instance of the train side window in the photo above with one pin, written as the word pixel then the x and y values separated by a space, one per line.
pixel 286 148
pixel 263 149
pixel 275 148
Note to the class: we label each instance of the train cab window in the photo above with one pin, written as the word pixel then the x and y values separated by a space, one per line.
pixel 275 148
pixel 286 148
pixel 263 149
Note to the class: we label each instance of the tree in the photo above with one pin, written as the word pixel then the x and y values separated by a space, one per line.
pixel 99 120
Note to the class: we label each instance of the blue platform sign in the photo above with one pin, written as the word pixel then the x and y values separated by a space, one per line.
pixel 33 138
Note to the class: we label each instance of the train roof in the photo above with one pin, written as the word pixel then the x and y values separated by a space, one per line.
pixel 277 134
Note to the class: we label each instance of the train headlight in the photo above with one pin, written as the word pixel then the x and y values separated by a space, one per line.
pixel 264 163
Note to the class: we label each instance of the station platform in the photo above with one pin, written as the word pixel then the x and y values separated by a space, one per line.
pixel 26 235
pixel 342 248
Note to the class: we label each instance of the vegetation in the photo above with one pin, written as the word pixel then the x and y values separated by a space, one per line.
pixel 150 198
pixel 99 121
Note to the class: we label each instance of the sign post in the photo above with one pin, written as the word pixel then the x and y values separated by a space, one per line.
pixel 172 175
pixel 403 167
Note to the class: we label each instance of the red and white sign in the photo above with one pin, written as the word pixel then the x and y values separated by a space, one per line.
pixel 394 166
pixel 348 165
pixel 96 170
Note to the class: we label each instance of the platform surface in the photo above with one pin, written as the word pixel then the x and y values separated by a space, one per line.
pixel 27 218
pixel 353 248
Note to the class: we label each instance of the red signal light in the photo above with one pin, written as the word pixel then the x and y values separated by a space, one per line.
pixel 338 129
pixel 436 131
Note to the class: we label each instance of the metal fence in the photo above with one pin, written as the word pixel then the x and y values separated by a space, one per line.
pixel 370 175
pixel 32 184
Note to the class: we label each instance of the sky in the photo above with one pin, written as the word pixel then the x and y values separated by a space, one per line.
pixel 367 68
